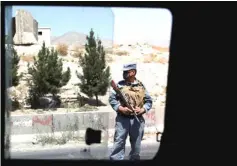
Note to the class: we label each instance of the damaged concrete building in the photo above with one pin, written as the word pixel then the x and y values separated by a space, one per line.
pixel 26 30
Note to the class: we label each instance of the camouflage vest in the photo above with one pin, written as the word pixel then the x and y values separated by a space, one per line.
pixel 134 94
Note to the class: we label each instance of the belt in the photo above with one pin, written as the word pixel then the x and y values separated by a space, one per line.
pixel 128 116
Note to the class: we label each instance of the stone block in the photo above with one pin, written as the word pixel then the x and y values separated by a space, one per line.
pixel 21 124
pixel 42 123
pixel 65 122
pixel 26 28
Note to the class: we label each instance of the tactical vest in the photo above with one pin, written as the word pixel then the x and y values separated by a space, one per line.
pixel 134 94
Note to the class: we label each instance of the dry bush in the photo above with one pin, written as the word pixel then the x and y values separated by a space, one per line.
pixel 59 139
pixel 164 89
pixel 116 46
pixel 76 54
pixel 109 58
pixel 121 53
pixel 154 58
pixel 109 51
pixel 27 58
pixel 161 49
pixel 62 49
pixel 75 48
pixel 150 58
pixel 76 51
pixel 163 60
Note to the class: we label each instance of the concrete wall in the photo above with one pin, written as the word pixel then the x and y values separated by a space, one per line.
pixel 25 28
pixel 46 36
pixel 47 123
pixel 42 123
pixel 35 26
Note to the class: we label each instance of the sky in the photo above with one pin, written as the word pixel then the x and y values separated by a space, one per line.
pixel 122 25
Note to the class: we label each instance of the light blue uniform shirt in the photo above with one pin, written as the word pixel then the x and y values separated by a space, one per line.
pixel 115 103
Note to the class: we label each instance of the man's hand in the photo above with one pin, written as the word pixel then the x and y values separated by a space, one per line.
pixel 125 110
pixel 139 111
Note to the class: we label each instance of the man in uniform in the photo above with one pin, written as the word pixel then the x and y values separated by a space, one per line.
pixel 126 123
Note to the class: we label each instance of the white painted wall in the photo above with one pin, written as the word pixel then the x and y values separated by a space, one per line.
pixel 46 34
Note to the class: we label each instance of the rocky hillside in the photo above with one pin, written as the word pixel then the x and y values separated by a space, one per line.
pixel 75 38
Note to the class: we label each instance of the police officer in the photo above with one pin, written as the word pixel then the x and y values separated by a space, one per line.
pixel 126 123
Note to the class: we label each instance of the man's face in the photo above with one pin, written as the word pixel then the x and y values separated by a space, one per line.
pixel 128 74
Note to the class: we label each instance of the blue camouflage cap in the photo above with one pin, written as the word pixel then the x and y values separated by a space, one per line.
pixel 130 66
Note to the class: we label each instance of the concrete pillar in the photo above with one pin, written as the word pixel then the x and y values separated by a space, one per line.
pixel 159 114
pixel 26 28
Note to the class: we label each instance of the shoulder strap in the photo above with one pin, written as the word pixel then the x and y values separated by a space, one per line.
pixel 140 83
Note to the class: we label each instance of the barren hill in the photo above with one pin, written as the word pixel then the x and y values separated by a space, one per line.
pixel 75 38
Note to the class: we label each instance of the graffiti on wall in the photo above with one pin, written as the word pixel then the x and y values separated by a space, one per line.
pixel 150 118
pixel 45 121
pixel 20 123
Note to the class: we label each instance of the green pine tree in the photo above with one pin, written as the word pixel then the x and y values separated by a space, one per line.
pixel 47 75
pixel 96 76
